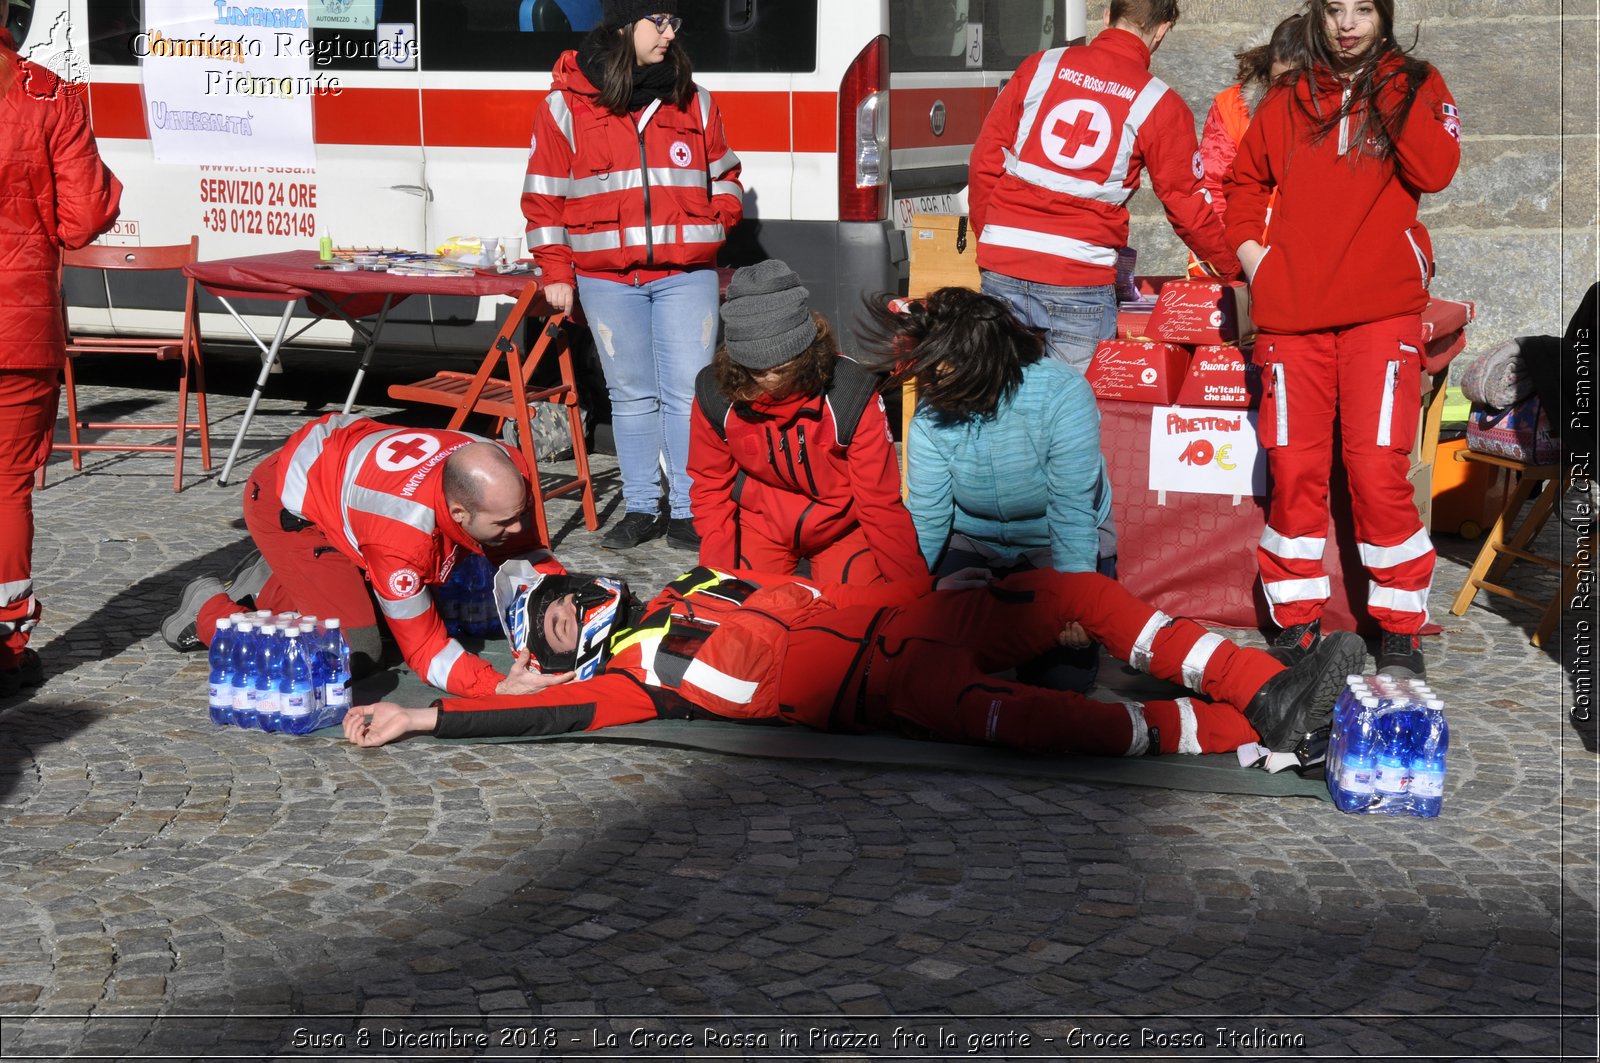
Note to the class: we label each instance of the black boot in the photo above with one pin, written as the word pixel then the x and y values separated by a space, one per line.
pixel 1295 642
pixel 1294 703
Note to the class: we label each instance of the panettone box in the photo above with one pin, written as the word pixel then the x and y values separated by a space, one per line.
pixel 1137 371
pixel 1202 313
pixel 1221 375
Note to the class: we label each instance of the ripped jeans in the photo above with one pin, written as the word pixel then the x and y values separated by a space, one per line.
pixel 652 340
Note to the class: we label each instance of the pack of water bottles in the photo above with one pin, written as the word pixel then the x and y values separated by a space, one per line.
pixel 466 598
pixel 1387 748
pixel 279 672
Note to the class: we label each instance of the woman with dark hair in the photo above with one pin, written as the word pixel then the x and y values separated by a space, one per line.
pixel 630 193
pixel 1005 469
pixel 1232 108
pixel 1348 144
pixel 790 456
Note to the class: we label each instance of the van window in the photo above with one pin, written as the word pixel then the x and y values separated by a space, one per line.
pixel 720 36
pixel 930 34
pixel 114 23
pixel 1015 29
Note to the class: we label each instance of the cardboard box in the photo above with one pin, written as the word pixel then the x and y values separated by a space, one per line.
pixel 1221 376
pixel 1136 371
pixel 1202 312
pixel 944 253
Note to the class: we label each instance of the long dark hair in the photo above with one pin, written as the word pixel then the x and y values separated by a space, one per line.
pixel 1369 76
pixel 965 350
pixel 613 56
pixel 812 368
pixel 1287 45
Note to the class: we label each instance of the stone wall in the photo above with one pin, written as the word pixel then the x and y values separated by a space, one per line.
pixel 1516 231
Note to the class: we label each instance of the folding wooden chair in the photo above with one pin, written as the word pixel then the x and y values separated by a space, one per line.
pixel 508 398
pixel 1509 542
pixel 184 350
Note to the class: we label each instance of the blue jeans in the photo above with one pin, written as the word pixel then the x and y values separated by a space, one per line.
pixel 1075 320
pixel 652 340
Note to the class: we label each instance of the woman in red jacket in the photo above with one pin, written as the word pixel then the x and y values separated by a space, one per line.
pixel 1349 144
pixel 790 456
pixel 630 192
pixel 57 194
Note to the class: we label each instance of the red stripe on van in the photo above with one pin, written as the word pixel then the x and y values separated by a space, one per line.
pixel 965 108
pixel 479 118
pixel 117 110
pixel 367 116
pixel 816 122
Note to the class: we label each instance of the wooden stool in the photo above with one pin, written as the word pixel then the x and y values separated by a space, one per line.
pixel 510 399
pixel 1509 542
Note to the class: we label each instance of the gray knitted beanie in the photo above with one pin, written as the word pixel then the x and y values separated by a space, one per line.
pixel 765 318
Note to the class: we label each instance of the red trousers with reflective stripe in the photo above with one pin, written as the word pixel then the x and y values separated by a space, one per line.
pixel 1367 380
pixel 932 662
pixel 27 423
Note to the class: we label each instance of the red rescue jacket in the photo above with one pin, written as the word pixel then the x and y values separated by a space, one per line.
pixel 644 195
pixel 1346 246
pixel 1059 157
pixel 57 193
pixel 783 471
pixel 375 490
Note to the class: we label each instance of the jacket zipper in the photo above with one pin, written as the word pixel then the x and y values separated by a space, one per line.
pixel 800 525
pixel 644 185
pixel 1344 121
pixel 805 462
pixel 1280 392
pixel 1391 381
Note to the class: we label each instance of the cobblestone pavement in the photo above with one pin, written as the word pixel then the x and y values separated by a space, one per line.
pixel 166 885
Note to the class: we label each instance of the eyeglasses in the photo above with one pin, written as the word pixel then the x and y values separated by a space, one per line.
pixel 663 23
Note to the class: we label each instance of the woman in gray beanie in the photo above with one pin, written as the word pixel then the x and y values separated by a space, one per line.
pixel 630 192
pixel 790 454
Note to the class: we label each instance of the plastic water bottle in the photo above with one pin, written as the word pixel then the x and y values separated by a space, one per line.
pixel 1393 753
pixel 1428 746
pixel 478 605
pixel 242 673
pixel 296 707
pixel 1352 786
pixel 220 685
pixel 336 681
pixel 269 651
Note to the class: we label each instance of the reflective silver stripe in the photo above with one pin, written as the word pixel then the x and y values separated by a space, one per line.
pixel 1142 105
pixel 1294 590
pixel 547 236
pixel 1280 392
pixel 1043 76
pixel 704 99
pixel 703 234
pixel 606 241
pixel 1422 261
pixel 1140 655
pixel 298 468
pixel 1188 727
pixel 1386 409
pixel 615 181
pixel 1047 244
pixel 443 661
pixel 557 102
pixel 1055 181
pixel 358 457
pixel 1302 548
pixel 1397 600
pixel 727 687
pixel 1344 122
pixel 1195 661
pixel 1419 545
pixel 674 177
pixel 538 184
pixel 1139 744
pixel 647 660
pixel 718 167
pixel 382 504
pixel 727 188
pixel 15 591
pixel 649 113
pixel 406 608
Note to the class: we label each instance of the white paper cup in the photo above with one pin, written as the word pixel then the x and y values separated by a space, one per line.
pixel 511 247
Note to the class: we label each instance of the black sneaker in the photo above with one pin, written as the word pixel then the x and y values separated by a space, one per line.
pixel 680 532
pixel 179 630
pixel 1400 656
pixel 248 577
pixel 634 528
pixel 29 672
pixel 1295 642
pixel 1296 702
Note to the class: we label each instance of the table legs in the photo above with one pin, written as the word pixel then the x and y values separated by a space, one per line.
pixel 269 355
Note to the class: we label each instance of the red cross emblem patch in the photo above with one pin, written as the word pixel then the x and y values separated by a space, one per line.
pixel 401 452
pixel 681 155
pixel 404 583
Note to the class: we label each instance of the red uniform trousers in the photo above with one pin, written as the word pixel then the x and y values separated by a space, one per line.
pixel 1369 377
pixel 28 400
pixel 309 574
pixel 929 669
pixel 848 560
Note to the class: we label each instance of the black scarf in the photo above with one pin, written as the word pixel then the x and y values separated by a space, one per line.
pixel 652 82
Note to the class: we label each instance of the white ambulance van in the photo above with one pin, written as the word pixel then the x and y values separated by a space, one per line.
pixel 849 115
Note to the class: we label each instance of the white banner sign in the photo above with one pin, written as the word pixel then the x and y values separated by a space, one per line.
pixel 1206 450
pixel 343 14
pixel 229 84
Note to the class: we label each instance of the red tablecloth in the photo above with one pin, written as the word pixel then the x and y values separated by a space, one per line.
pixel 293 275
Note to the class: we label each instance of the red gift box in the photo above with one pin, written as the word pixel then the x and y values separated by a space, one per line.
pixel 1202 312
pixel 1136 371
pixel 1221 376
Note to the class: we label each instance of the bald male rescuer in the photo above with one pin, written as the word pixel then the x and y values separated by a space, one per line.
pixel 350 503
pixel 903 655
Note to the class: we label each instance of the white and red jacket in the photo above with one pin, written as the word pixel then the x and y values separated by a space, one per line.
pixel 376 491
pixel 1059 157
pixel 643 195
pixel 1346 246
